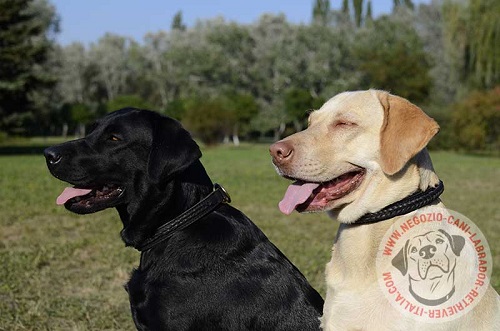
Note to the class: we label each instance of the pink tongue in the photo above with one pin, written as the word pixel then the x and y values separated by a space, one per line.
pixel 295 195
pixel 69 193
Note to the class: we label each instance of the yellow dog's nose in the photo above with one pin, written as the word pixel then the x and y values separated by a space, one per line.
pixel 281 152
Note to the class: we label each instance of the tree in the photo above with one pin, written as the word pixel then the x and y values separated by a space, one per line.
pixel 345 7
pixel 240 109
pixel 323 61
pixel 398 62
pixel 358 13
pixel 177 23
pixel 273 69
pixel 110 56
pixel 403 3
pixel 27 28
pixel 321 12
pixel 474 29
pixel 157 68
pixel 369 14
pixel 205 60
pixel 428 23
pixel 230 48
pixel 73 82
pixel 297 104
pixel 80 90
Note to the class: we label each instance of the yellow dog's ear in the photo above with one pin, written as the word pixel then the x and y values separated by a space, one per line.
pixel 406 130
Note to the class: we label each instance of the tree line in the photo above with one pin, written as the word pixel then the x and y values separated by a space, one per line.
pixel 226 80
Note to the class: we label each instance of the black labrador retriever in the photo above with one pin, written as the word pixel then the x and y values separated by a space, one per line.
pixel 204 264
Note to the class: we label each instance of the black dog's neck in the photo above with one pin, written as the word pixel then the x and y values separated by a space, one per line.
pixel 164 203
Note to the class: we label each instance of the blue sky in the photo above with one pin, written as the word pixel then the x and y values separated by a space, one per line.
pixel 87 20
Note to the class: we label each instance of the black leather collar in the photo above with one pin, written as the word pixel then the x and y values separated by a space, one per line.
pixel 411 203
pixel 193 214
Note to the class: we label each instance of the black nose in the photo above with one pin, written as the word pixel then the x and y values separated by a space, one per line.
pixel 52 156
pixel 427 252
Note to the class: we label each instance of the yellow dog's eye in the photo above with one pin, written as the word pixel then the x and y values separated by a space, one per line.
pixel 344 123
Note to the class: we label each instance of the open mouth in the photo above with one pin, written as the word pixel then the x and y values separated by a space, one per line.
pixel 309 196
pixel 83 200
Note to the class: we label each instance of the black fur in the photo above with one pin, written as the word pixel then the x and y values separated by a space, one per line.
pixel 221 273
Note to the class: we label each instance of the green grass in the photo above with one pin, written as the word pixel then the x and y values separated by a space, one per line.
pixel 61 271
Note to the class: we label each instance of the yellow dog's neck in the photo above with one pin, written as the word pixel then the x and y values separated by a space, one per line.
pixel 356 246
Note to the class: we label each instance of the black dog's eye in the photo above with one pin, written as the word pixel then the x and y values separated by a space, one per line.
pixel 114 138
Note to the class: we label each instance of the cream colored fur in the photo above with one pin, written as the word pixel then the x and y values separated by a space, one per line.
pixel 387 136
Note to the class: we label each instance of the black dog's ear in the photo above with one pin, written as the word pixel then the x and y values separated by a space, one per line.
pixel 457 242
pixel 400 261
pixel 172 149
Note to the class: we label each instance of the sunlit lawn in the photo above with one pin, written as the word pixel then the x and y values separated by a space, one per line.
pixel 61 271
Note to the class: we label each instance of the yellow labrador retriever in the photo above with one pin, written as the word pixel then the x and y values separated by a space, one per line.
pixel 362 152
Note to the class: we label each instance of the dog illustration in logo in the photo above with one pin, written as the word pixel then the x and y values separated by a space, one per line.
pixel 430 260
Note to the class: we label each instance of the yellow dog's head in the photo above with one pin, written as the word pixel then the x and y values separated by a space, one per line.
pixel 353 158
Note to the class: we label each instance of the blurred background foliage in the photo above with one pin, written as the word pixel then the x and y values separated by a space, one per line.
pixel 227 81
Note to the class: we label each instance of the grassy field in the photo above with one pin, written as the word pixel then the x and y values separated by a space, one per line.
pixel 61 271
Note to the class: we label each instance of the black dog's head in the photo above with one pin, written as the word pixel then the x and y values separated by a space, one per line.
pixel 125 154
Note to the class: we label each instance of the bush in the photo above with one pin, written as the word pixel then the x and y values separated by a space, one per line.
pixel 205 119
pixel 223 116
pixel 3 137
pixel 129 100
pixel 81 113
pixel 298 105
pixel 176 109
pixel 476 121
pixel 445 139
